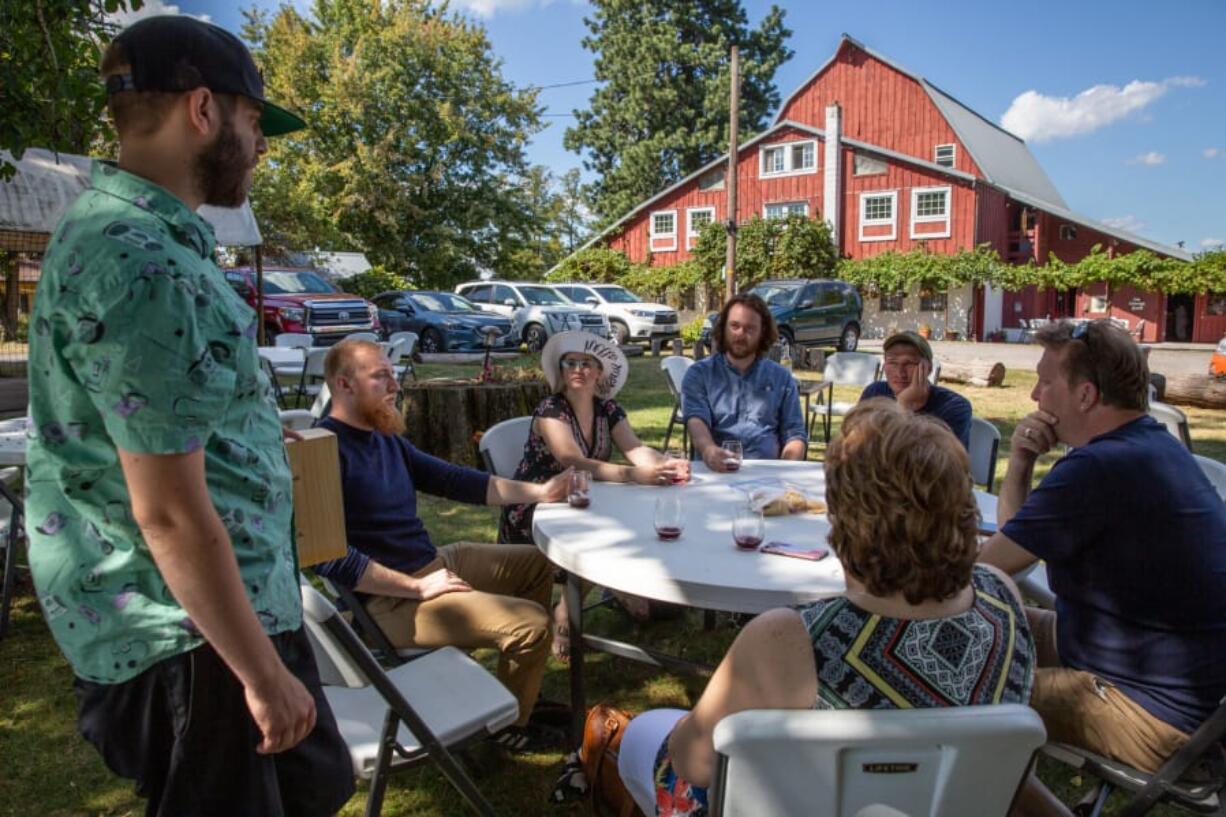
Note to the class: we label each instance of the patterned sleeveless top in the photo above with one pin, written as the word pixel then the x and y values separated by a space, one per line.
pixel 866 661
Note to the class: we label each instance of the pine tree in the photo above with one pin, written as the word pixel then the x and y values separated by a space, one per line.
pixel 662 110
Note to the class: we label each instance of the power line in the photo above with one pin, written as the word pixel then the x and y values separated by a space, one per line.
pixel 561 84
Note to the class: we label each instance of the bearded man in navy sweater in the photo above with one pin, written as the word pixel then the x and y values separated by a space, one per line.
pixel 465 595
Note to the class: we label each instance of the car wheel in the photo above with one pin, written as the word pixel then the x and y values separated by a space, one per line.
pixel 535 337
pixel 621 333
pixel 431 342
pixel 850 338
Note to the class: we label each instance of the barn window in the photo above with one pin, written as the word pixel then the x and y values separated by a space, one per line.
pixel 891 302
pixel 785 209
pixel 788 158
pixel 712 180
pixel 663 231
pixel 878 212
pixel 696 219
pixel 930 212
pixel 944 155
pixel 865 165
pixel 932 301
pixel 1068 232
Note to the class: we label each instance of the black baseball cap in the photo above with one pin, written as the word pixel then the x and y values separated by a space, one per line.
pixel 158 48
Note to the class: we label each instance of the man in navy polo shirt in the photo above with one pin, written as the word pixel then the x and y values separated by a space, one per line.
pixel 1134 537
pixel 908 362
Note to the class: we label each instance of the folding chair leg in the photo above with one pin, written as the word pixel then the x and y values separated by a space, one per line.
pixel 1093 807
pixel 668 432
pixel 378 780
pixel 8 579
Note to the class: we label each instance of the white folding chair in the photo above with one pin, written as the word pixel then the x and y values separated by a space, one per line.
pixel 502 447
pixel 985 445
pixel 312 372
pixel 370 336
pixel 674 368
pixel 294 339
pixel 955 762
pixel 935 374
pixel 296 419
pixel 1215 471
pixel 323 402
pixel 402 354
pixel 453 700
pixel 274 380
pixel 1174 419
pixel 842 369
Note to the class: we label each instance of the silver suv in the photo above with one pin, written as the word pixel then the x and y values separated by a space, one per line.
pixel 536 310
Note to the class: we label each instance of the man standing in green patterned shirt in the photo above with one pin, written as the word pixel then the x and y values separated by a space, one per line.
pixel 159 492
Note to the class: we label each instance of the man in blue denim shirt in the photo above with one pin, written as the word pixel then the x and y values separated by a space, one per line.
pixel 737 394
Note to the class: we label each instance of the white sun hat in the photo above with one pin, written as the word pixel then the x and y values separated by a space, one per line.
pixel 614 369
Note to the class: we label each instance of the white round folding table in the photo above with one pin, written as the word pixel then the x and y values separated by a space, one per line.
pixel 613 543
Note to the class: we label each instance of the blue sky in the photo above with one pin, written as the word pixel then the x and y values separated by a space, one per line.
pixel 1123 102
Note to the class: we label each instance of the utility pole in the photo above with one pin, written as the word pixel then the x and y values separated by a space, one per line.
pixel 730 225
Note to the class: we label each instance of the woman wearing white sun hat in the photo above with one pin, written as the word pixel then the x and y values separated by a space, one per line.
pixel 578 426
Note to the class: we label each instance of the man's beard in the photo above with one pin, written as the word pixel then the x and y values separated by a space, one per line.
pixel 741 348
pixel 221 171
pixel 382 417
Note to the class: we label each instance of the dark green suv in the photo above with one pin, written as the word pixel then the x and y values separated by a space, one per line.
pixel 810 312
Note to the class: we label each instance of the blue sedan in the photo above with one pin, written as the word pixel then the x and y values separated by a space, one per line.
pixel 443 321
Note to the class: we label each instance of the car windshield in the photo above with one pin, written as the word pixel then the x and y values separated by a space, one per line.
pixel 285 282
pixel 542 296
pixel 618 295
pixel 441 302
pixel 776 294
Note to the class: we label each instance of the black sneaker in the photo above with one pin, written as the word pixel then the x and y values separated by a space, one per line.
pixel 529 739
pixel 551 714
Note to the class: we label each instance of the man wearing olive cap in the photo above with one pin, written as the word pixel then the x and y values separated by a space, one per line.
pixel 160 499
pixel 908 363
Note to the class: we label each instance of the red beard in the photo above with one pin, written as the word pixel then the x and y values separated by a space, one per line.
pixel 382 417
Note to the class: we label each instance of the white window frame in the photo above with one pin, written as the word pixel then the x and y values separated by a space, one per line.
pixel 653 235
pixel 947 217
pixel 892 222
pixel 690 234
pixel 953 155
pixel 1068 232
pixel 766 207
pixel 788 170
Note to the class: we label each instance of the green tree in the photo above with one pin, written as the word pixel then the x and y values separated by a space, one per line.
pixel 49 54
pixel 792 247
pixel 662 109
pixel 415 144
pixel 573 211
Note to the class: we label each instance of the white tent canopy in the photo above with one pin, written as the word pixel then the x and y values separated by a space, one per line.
pixel 33 200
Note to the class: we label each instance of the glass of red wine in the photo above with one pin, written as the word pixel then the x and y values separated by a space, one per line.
pixel 748 528
pixel 675 458
pixel 733 454
pixel 670 519
pixel 580 485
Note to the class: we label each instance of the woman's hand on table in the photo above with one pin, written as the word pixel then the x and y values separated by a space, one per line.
pixel 662 472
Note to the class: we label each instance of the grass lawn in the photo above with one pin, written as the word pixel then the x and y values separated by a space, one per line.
pixel 49 770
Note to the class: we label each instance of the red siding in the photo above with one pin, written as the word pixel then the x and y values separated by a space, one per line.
pixel 1207 328
pixel 992 220
pixel 880 106
pixel 903 178
pixel 1152 311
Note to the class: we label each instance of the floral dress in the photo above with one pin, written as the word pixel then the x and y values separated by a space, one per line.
pixel 539 463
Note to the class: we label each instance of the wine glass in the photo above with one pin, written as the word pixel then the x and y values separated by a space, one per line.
pixel 580 484
pixel 669 518
pixel 674 457
pixel 733 454
pixel 748 528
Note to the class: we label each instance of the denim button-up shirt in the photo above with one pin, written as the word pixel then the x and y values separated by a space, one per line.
pixel 761 407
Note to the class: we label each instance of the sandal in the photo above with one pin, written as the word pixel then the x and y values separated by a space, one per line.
pixel 572 783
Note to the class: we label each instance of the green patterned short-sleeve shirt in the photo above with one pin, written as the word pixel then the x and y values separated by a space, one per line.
pixel 137 343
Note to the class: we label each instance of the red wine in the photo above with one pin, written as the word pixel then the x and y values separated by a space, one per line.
pixel 679 478
pixel 668 533
pixel 579 500
pixel 748 542
pixel 732 464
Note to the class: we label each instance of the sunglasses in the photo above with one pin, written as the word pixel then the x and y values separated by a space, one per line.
pixel 586 365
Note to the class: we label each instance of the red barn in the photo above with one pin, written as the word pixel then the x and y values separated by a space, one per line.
pixel 893 162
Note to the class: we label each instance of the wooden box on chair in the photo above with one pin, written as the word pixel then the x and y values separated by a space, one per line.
pixel 319 509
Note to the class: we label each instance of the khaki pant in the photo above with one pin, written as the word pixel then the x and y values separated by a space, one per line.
pixel 506 610
pixel 1081 709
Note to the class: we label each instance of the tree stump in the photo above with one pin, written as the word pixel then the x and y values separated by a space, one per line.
pixel 446 418
pixel 974 372
pixel 1195 390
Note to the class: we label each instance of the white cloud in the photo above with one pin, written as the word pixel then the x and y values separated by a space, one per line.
pixel 1151 159
pixel 1211 243
pixel 150 8
pixel 1210 153
pixel 1039 118
pixel 488 8
pixel 1128 223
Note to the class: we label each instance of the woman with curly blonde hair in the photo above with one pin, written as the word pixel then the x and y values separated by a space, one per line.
pixel 921 625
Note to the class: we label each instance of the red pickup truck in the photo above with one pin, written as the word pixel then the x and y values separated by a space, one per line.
pixel 302 300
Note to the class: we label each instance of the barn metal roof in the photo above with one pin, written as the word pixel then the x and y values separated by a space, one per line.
pixel 45 183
